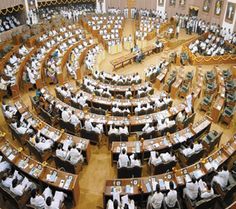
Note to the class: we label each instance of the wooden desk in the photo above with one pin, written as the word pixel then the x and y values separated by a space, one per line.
pixel 161 143
pixel 61 136
pixel 40 172
pixel 141 188
pixel 135 122
pixel 126 59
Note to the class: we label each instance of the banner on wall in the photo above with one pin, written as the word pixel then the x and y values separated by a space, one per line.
pixel 230 12
pixel 218 7
pixel 206 5
pixel 172 2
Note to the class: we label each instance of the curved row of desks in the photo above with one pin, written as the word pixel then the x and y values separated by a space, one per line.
pixel 107 103
pixel 140 188
pixel 39 124
pixel 135 123
pixel 41 173
pixel 171 141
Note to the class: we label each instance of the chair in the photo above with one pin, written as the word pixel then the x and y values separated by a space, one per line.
pixel 22 138
pixel 186 122
pixel 123 172
pixel 41 156
pixel 211 140
pixel 227 115
pixel 203 203
pixel 184 90
pixel 206 103
pixel 189 160
pixel 35 105
pixel 227 192
pixel 231 99
pixel 48 118
pixel 66 165
pixel 163 167
pixel 137 171
pixel 69 127
pixel 150 135
pixel 93 137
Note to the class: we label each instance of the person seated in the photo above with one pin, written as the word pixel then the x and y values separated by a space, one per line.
pixel 206 190
pixel 4 165
pixel 60 152
pixel 19 188
pixel 65 115
pixel 157 198
pixel 22 128
pixel 123 160
pixel 113 130
pixel 37 200
pixel 9 111
pixel 56 201
pixel 74 155
pixel 188 151
pixel 222 177
pixel 191 189
pixel 171 197
pixel 123 130
pixel 148 128
pixel 134 161
pixel 41 142
pixel 75 120
pixel 197 147
pixel 181 116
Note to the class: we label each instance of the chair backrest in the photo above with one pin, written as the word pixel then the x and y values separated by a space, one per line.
pixel 35 151
pixel 69 127
pixel 195 157
pixel 60 163
pixel 124 172
pixel 137 171
pixel 7 194
pixel 164 167
pixel 207 203
pixel 113 138
pixel 91 135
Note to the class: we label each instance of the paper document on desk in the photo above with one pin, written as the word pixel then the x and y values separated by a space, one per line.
pixel 187 178
pixel 215 164
pixel 162 184
pixel 129 189
pixel 11 156
pixel 154 183
pixel 208 166
pixel 137 147
pixel 67 183
pixel 198 173
pixel 148 186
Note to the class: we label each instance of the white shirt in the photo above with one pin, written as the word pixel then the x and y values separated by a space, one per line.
pixel 74 156
pixel 38 201
pixel 65 116
pixel 192 190
pixel 222 178
pixel 123 160
pixel 171 198
pixel 156 200
pixel 75 120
